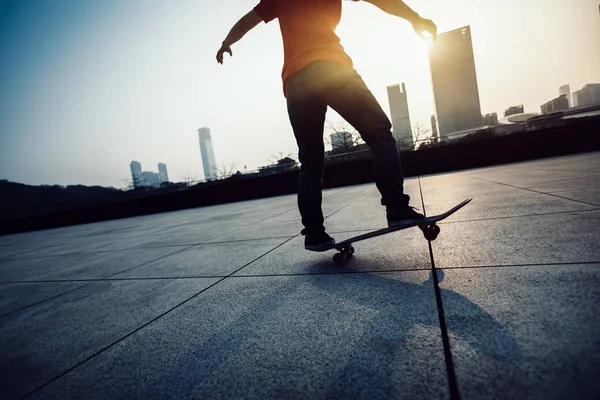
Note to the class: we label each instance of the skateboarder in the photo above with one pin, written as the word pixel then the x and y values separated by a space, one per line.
pixel 318 73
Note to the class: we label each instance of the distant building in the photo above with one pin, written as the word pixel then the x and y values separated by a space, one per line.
pixel 589 94
pixel 516 118
pixel 341 140
pixel 434 129
pixel 162 173
pixel 149 179
pixel 136 172
pixel 558 104
pixel 454 81
pixel 565 90
pixel 514 110
pixel 208 154
pixel 490 119
pixel 400 117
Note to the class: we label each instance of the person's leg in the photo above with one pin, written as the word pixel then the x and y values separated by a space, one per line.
pixel 307 111
pixel 347 94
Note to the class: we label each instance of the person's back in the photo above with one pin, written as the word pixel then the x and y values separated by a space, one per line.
pixel 317 73
pixel 307 29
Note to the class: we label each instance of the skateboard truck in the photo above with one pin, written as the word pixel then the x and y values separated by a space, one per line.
pixel 430 232
pixel 343 253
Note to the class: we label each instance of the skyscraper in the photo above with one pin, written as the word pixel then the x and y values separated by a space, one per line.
pixel 566 91
pixel 455 82
pixel 136 173
pixel 434 129
pixel 400 116
pixel 149 179
pixel 162 173
pixel 208 154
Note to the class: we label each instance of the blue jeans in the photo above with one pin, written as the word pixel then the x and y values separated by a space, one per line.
pixel 309 92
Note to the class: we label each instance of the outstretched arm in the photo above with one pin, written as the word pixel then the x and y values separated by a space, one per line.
pixel 243 26
pixel 400 9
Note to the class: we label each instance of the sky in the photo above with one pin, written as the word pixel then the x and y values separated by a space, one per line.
pixel 88 86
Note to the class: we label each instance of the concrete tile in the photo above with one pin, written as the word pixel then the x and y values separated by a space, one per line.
pixel 185 237
pixel 14 250
pixel 292 215
pixel 23 269
pixel 448 191
pixel 403 250
pixel 218 259
pixel 588 195
pixel 577 162
pixel 84 245
pixel 361 336
pixel 43 341
pixel 566 184
pixel 526 332
pixel 15 296
pixel 545 239
pixel 107 264
pixel 527 176
pixel 267 230
pixel 497 207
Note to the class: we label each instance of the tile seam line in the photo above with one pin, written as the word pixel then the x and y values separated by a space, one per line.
pixel 102 350
pixel 536 191
pixel 450 372
pixel 80 287
pixel 183 246
pixel 187 245
pixel 596 208
pixel 349 272
pixel 162 257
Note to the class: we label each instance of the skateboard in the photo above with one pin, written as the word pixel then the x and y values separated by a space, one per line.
pixel 427 225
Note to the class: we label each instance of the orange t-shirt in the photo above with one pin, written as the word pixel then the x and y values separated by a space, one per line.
pixel 307 28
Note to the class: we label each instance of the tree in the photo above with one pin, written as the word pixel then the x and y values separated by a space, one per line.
pixel 421 135
pixel 189 179
pixel 342 137
pixel 281 162
pixel 129 184
pixel 225 169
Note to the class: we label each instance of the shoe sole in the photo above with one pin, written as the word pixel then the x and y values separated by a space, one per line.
pixel 319 247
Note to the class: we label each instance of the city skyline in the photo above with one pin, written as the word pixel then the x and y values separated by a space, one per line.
pixel 140 178
pixel 84 83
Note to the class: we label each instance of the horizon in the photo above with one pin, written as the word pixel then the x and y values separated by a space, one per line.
pixel 88 88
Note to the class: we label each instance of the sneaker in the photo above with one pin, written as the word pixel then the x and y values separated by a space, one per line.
pixel 317 241
pixel 397 216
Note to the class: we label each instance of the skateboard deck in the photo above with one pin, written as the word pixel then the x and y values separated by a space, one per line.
pixel 427 225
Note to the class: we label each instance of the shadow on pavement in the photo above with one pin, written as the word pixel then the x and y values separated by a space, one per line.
pixel 400 307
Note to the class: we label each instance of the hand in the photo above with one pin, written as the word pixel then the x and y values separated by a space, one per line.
pixel 425 25
pixel 224 49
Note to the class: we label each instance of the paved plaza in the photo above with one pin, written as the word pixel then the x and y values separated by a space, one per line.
pixel 223 302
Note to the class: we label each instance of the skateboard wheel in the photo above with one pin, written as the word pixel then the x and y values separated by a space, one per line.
pixel 338 258
pixel 351 250
pixel 431 232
